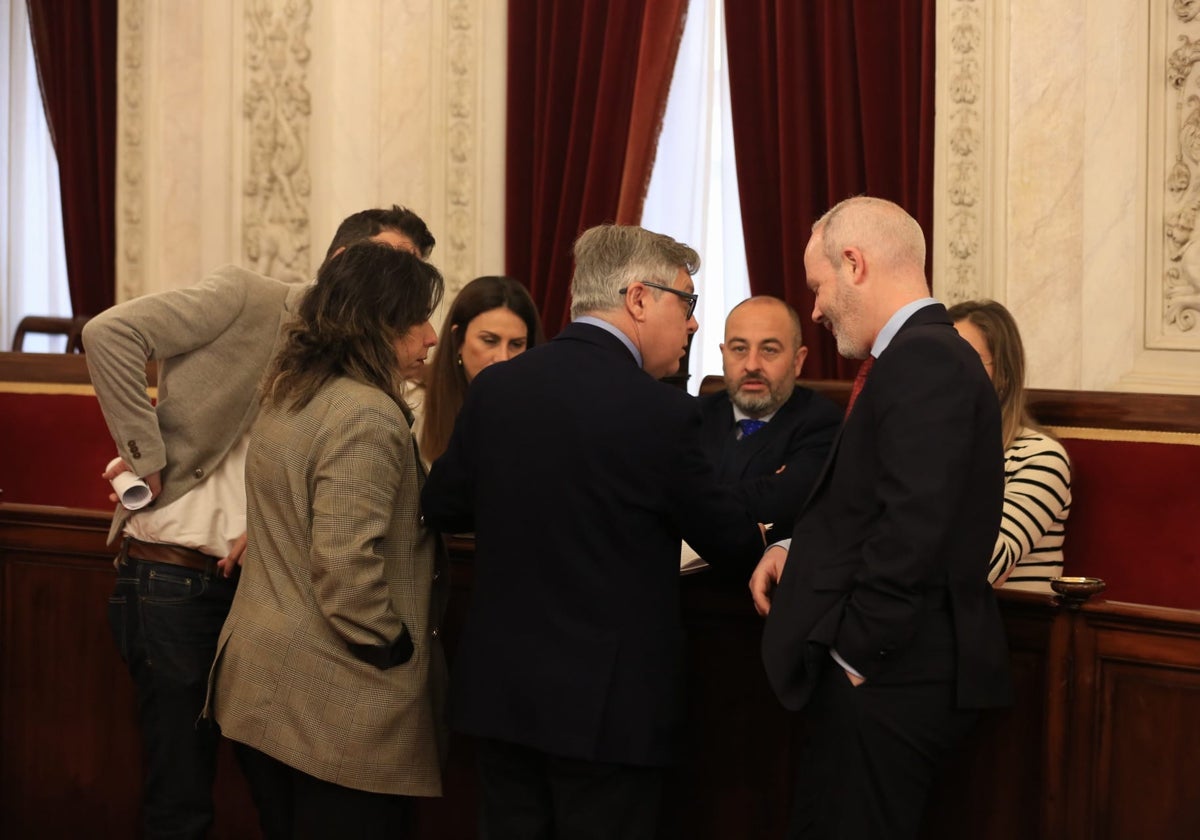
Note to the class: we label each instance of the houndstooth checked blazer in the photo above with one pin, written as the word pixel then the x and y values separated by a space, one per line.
pixel 338 557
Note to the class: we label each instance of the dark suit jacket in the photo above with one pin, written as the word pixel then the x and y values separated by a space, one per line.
pixel 889 558
pixel 579 474
pixel 798 438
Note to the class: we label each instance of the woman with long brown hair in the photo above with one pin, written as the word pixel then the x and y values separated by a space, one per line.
pixel 329 669
pixel 1037 472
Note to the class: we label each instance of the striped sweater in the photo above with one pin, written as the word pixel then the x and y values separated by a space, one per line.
pixel 1037 500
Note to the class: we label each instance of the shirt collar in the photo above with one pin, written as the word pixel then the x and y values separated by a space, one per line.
pixel 610 328
pixel 738 414
pixel 896 322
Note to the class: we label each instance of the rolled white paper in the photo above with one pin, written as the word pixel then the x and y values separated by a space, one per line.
pixel 131 490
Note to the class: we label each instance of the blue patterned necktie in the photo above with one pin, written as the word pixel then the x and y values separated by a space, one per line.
pixel 749 427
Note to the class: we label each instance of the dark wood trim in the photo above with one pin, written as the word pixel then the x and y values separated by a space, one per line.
pixel 1086 409
pixel 56 368
pixel 1108 410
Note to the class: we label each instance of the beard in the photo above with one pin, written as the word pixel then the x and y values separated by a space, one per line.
pixel 845 319
pixel 848 348
pixel 755 405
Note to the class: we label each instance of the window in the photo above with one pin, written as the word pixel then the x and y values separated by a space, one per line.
pixel 33 263
pixel 693 194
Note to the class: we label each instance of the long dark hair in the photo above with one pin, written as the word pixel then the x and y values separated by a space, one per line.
pixel 364 298
pixel 446 386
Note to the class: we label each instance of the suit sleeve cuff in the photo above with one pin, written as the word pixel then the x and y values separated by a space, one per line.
pixel 385 656
pixel 846 666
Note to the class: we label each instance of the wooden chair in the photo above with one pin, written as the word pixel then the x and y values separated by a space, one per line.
pixel 72 328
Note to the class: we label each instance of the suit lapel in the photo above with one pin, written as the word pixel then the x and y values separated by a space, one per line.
pixel 932 314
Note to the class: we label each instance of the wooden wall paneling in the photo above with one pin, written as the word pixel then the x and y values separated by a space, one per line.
pixel 70 753
pixel 734 778
pixel 68 719
pixel 1101 743
pixel 67 715
pixel 1141 752
pixel 1060 688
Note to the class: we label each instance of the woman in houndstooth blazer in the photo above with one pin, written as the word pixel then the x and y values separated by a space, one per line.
pixel 329 674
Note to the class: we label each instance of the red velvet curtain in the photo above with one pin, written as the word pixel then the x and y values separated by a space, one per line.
pixel 587 86
pixel 75 45
pixel 830 98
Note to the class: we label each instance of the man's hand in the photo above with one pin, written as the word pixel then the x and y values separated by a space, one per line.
pixel 765 576
pixel 854 680
pixel 154 480
pixel 232 561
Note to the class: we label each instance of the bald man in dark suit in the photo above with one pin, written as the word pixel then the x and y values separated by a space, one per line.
pixel 767 436
pixel 881 626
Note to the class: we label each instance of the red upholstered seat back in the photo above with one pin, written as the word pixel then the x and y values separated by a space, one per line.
pixel 1135 519
pixel 55 447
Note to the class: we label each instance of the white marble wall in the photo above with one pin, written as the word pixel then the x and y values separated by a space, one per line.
pixel 1075 129
pixel 249 128
pixel 1056 134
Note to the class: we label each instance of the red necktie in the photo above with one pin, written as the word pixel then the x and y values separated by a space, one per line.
pixel 859 381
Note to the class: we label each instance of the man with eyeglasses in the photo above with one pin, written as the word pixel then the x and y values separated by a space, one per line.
pixel 767 437
pixel 579 472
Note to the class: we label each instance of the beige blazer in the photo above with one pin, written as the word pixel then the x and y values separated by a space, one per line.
pixel 212 342
pixel 338 558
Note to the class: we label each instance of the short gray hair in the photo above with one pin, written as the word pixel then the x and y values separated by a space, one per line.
pixel 876 225
pixel 610 257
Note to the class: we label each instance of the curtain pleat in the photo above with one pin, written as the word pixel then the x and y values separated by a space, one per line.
pixel 75 45
pixel 830 99
pixel 587 85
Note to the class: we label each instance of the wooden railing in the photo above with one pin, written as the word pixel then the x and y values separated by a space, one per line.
pixel 1102 742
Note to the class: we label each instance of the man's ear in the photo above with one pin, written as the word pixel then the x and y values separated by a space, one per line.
pixel 855 263
pixel 801 355
pixel 635 301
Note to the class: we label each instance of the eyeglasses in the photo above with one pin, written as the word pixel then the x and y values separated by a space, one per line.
pixel 690 297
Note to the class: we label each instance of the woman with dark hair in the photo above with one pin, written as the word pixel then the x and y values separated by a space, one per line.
pixel 491 320
pixel 329 672
pixel 1037 473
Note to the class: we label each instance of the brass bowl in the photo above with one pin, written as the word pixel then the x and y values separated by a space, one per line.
pixel 1077 589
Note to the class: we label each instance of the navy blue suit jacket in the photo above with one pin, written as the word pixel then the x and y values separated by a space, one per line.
pixel 797 438
pixel 888 564
pixel 579 474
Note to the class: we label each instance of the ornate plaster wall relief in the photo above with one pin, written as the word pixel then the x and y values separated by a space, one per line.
pixel 276 109
pixel 960 215
pixel 462 112
pixel 1173 276
pixel 130 154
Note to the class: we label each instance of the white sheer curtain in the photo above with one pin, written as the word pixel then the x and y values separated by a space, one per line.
pixel 33 264
pixel 693 193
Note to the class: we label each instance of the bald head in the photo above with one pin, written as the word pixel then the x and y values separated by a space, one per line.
pixel 761 355
pixel 878 227
pixel 865 260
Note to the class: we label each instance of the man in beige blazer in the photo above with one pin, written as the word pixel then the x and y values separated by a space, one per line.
pixel 174 583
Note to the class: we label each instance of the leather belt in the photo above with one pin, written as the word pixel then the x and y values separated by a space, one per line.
pixel 172 555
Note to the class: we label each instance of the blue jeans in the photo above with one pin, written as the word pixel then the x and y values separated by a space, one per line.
pixel 165 621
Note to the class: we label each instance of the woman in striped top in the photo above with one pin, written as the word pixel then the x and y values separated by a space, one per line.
pixel 1037 473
